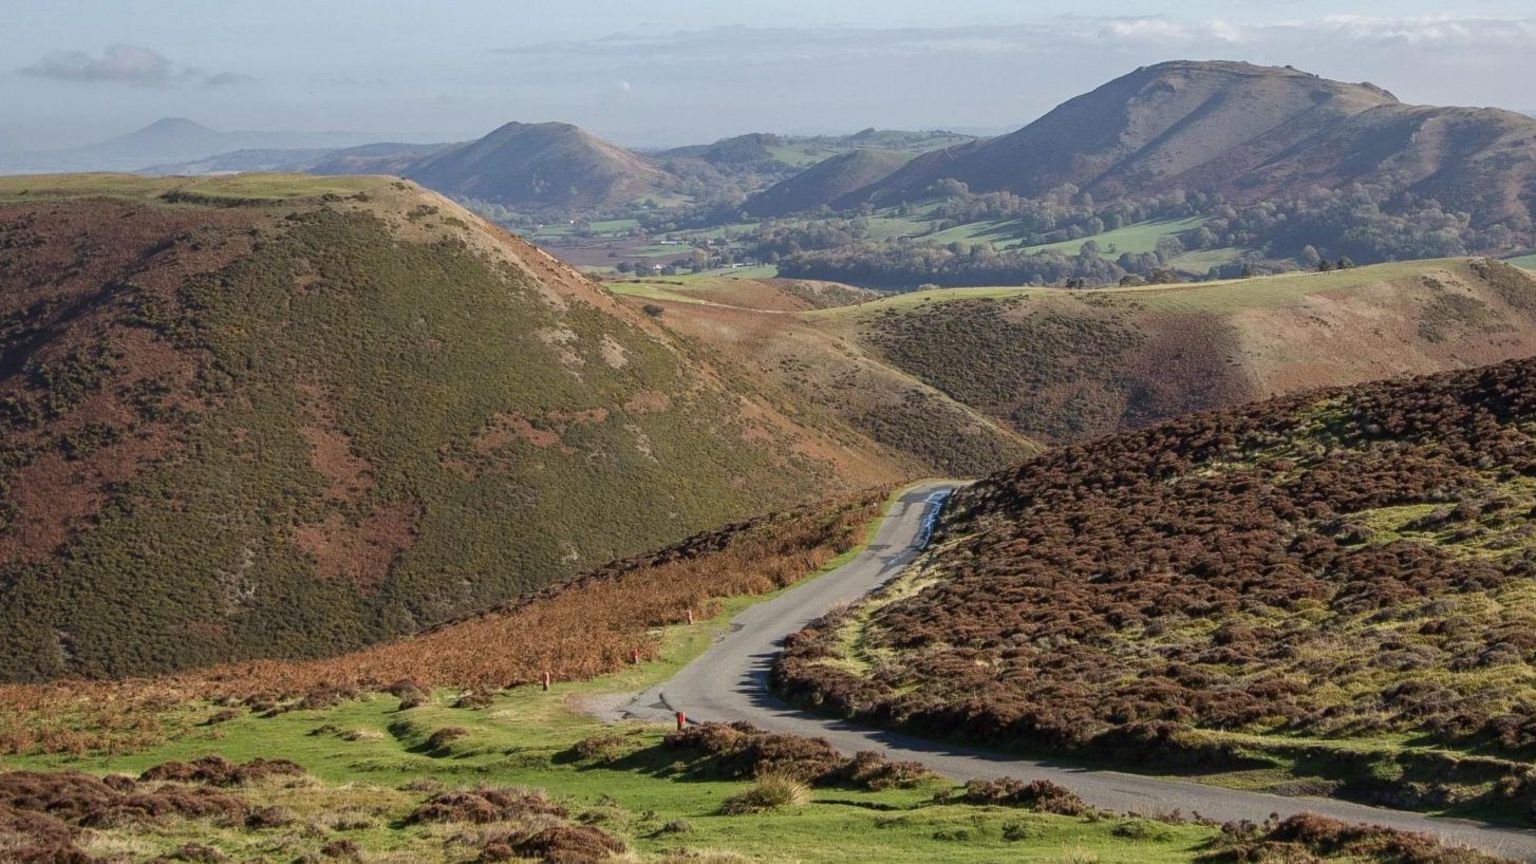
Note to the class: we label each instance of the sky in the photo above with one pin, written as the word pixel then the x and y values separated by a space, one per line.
pixel 668 72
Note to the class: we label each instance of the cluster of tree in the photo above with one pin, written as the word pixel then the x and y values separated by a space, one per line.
pixel 906 264
pixel 773 241
pixel 1360 223
pixel 1065 213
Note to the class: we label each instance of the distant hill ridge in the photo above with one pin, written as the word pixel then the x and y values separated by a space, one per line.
pixel 830 183
pixel 1248 132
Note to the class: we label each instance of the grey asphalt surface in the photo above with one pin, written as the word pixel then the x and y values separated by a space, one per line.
pixel 729 682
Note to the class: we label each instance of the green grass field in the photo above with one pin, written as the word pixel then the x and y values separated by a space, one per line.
pixel 244 187
pixel 1135 239
pixel 892 226
pixel 1214 296
pixel 998 232
pixel 1526 261
pixel 664 287
pixel 615 226
pixel 1005 233
pixel 1203 260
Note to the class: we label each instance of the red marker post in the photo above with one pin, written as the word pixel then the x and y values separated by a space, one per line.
pixel 682 720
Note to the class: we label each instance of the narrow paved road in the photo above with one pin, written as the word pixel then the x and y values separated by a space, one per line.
pixel 729 682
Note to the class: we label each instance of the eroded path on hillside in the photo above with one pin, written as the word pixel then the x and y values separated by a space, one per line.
pixel 729 682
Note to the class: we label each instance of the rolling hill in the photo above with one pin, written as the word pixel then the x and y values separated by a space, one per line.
pixel 1327 593
pixel 276 415
pixel 832 183
pixel 542 166
pixel 1059 366
pixel 1250 133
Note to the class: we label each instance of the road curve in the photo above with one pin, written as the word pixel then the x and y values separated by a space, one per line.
pixel 729 682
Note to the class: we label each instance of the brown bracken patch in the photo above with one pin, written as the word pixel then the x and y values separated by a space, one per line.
pixel 360 552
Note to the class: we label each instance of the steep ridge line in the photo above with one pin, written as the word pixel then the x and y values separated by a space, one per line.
pixel 729 682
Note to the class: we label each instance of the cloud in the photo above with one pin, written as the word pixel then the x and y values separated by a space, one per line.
pixel 1158 31
pixel 1441 31
pixel 785 44
pixel 221 79
pixel 1169 35
pixel 133 65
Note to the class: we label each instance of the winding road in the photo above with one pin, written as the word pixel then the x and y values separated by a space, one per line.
pixel 729 682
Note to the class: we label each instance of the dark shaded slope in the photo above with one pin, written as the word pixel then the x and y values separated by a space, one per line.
pixel 831 182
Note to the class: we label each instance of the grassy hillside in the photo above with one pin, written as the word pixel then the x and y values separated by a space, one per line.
pixel 1018 365
pixel 290 416
pixel 1327 593
pixel 746 292
pixel 1068 365
pixel 776 342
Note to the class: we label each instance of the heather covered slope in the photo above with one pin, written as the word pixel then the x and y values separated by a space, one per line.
pixel 1333 586
pixel 271 415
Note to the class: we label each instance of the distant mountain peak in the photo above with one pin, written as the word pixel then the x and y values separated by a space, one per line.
pixel 546 166
pixel 1246 132
pixel 175 123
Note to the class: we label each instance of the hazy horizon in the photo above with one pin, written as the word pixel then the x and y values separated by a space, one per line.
pixel 82 72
